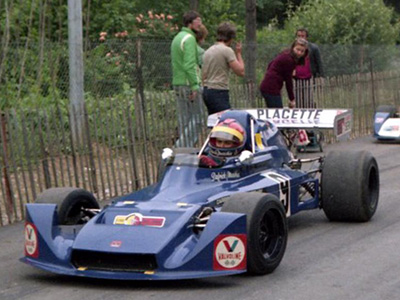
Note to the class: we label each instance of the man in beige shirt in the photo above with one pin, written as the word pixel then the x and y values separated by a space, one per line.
pixel 219 59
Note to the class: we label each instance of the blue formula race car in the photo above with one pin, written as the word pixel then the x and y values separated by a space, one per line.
pixel 387 123
pixel 205 220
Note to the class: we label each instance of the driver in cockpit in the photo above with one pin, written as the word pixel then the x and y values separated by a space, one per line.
pixel 227 139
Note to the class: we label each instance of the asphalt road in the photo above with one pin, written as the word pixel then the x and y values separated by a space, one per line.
pixel 324 260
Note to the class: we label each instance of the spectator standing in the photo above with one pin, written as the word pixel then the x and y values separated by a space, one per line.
pixel 186 80
pixel 279 71
pixel 219 59
pixel 305 74
pixel 201 36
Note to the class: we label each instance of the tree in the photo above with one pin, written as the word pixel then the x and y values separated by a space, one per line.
pixel 251 47
pixel 268 10
pixel 345 22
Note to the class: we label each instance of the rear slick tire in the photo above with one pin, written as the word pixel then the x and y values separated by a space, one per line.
pixel 350 186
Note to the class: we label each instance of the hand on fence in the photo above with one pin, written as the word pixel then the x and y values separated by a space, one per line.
pixel 192 95
pixel 292 103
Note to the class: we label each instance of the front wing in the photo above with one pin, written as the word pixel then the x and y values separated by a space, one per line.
pixel 221 249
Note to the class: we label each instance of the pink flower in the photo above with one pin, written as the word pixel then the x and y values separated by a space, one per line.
pixel 169 17
pixel 150 14
pixel 103 33
pixel 141 16
pixel 138 19
pixel 117 34
pixel 157 17
pixel 102 39
pixel 142 30
pixel 162 16
pixel 108 54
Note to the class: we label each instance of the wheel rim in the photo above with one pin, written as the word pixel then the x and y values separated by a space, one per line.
pixel 271 234
pixel 373 188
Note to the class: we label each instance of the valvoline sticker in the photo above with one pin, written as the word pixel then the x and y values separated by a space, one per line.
pixel 230 252
pixel 31 241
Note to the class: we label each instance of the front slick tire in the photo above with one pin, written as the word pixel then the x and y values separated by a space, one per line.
pixel 70 202
pixel 350 186
pixel 267 229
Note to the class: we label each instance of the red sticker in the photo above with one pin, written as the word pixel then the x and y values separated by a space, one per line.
pixel 137 219
pixel 31 241
pixel 230 252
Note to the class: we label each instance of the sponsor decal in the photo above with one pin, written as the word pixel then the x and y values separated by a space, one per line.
pixel 31 241
pixel 302 138
pixel 230 252
pixel 137 219
pixel 298 116
pixel 343 125
pixel 391 128
pixel 116 244
pixel 218 176
pixel 284 188
pixel 379 120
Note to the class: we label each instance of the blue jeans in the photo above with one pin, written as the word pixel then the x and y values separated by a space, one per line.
pixel 273 101
pixel 189 117
pixel 216 100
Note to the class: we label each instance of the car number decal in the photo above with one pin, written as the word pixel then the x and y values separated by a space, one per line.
pixel 284 189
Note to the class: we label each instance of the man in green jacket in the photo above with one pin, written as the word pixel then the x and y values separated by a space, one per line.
pixel 186 80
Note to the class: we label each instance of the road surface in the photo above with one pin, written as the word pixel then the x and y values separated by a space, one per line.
pixel 324 260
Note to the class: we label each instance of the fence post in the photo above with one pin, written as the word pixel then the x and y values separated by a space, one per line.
pixel 92 165
pixel 45 154
pixel 141 105
pixel 6 174
pixel 372 83
pixel 131 145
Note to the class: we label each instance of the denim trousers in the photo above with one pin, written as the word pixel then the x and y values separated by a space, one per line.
pixel 189 114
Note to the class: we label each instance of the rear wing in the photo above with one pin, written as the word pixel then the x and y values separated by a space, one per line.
pixel 340 120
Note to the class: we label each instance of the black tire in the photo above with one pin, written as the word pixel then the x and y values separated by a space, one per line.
pixel 350 186
pixel 267 229
pixel 387 109
pixel 69 202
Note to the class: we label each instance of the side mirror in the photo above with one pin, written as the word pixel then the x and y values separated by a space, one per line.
pixel 246 157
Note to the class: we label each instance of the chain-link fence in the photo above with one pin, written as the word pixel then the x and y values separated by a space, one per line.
pixel 33 74
pixel 130 115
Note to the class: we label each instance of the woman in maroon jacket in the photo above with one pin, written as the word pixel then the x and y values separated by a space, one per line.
pixel 280 70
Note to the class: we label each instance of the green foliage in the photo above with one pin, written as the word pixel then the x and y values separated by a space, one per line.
pixel 274 11
pixel 215 12
pixel 353 35
pixel 32 80
pixel 345 22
